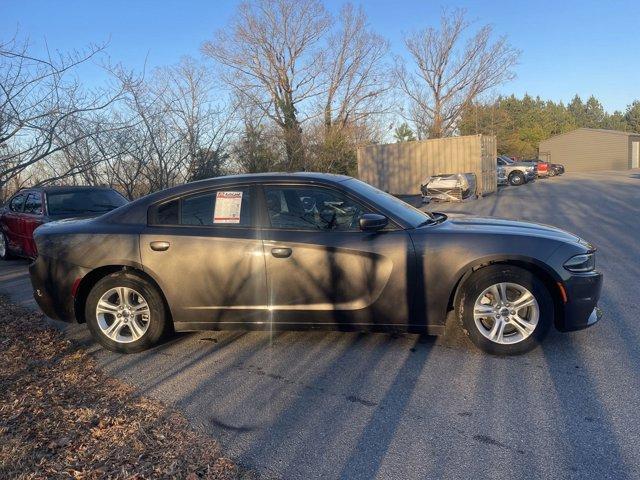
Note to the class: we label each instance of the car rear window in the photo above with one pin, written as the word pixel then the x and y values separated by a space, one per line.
pixel 167 213
pixel 221 207
pixel 84 202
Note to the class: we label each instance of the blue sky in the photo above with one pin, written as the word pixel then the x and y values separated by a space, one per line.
pixel 587 47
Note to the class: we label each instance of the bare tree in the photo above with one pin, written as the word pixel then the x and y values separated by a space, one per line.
pixel 39 100
pixel 270 55
pixel 203 125
pixel 355 84
pixel 356 70
pixel 126 154
pixel 446 76
pixel 177 129
pixel 256 147
pixel 157 147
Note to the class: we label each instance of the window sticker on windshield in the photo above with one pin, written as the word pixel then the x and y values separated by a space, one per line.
pixel 228 206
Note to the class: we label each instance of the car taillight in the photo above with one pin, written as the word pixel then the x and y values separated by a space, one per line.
pixel 74 287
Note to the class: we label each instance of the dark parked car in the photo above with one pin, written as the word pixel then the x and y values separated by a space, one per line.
pixel 553 169
pixel 287 251
pixel 31 207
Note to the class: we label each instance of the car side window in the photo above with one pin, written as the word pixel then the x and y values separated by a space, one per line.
pixel 33 205
pixel 17 203
pixel 229 207
pixel 312 208
pixel 168 213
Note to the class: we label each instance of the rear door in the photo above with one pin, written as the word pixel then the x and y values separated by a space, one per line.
pixel 207 256
pixel 32 218
pixel 322 269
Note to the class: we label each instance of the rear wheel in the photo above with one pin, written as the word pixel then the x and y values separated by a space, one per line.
pixel 505 310
pixel 516 178
pixel 125 313
pixel 5 254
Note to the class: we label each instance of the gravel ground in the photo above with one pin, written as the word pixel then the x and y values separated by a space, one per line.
pixel 359 406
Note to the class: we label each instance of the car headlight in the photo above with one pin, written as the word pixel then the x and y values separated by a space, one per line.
pixel 585 262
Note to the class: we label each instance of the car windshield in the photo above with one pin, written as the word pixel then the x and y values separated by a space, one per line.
pixel 84 201
pixel 397 207
pixel 508 160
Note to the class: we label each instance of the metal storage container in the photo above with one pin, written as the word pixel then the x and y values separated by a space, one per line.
pixel 399 168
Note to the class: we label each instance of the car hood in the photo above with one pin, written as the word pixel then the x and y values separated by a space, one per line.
pixel 522 164
pixel 512 227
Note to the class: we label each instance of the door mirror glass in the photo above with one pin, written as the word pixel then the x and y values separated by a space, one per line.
pixel 372 222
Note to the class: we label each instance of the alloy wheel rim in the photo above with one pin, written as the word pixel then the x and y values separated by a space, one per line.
pixel 123 315
pixel 506 313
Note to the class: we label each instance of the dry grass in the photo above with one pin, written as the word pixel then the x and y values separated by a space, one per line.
pixel 61 417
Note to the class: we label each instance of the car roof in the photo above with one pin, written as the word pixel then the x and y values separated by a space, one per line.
pixel 136 211
pixel 273 176
pixel 69 188
pixel 64 188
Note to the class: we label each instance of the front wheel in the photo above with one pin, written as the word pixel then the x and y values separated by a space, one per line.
pixel 125 313
pixel 505 310
pixel 5 254
pixel 516 178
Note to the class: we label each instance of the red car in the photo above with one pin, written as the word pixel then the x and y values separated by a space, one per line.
pixel 543 169
pixel 31 207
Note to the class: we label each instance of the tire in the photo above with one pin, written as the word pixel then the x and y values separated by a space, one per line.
pixel 475 300
pixel 516 179
pixel 130 327
pixel 5 253
pixel 552 173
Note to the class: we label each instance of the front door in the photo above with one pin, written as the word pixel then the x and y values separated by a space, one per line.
pixel 13 223
pixel 322 269
pixel 208 258
pixel 32 218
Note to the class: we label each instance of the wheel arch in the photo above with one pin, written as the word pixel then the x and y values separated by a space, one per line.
pixel 549 278
pixel 94 276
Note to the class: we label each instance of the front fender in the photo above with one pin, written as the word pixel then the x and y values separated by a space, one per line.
pixel 445 259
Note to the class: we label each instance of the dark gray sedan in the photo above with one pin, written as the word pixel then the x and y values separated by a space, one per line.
pixel 290 251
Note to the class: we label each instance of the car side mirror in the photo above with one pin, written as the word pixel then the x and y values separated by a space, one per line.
pixel 370 222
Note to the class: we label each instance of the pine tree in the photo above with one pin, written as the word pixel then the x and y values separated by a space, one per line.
pixel 403 133
pixel 632 116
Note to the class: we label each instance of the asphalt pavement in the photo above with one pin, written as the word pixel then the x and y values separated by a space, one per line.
pixel 306 405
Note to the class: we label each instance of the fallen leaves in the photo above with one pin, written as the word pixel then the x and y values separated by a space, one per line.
pixel 61 417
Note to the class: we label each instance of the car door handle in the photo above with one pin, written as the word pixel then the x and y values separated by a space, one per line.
pixel 281 252
pixel 159 246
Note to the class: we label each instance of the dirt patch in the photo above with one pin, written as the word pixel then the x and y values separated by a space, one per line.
pixel 61 417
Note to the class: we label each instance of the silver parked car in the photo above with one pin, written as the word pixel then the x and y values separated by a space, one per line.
pixel 514 173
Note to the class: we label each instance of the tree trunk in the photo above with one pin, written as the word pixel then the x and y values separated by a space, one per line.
pixel 292 137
